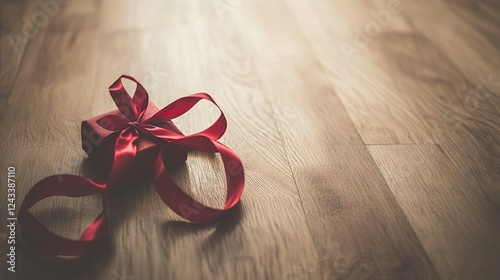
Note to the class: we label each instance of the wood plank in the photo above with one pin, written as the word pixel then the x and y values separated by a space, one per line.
pixel 474 49
pixel 14 38
pixel 460 237
pixel 468 134
pixel 359 230
pixel 333 30
pixel 22 21
pixel 465 126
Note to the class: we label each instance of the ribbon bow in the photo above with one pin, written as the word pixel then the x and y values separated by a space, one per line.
pixel 129 128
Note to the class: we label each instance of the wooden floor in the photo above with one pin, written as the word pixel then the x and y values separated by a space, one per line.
pixel 369 132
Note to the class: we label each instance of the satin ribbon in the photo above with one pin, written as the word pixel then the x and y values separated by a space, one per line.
pixel 128 129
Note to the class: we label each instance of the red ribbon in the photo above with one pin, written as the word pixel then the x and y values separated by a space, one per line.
pixel 129 128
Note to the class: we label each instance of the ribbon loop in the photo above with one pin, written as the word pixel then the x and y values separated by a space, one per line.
pixel 132 108
pixel 183 105
pixel 184 205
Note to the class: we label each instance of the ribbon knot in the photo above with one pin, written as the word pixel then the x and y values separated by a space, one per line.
pixel 127 128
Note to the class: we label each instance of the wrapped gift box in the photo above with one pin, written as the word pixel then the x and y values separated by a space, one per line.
pixel 98 143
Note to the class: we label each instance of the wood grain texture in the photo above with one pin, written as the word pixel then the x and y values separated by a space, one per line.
pixel 465 126
pixel 381 164
pixel 478 22
pixel 14 38
pixel 343 51
pixel 451 106
pixel 460 237
pixel 254 250
pixel 335 198
pixel 39 137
